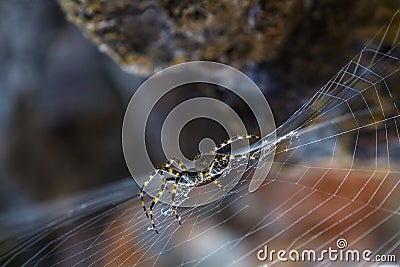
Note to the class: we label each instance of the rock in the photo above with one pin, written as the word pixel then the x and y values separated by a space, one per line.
pixel 145 36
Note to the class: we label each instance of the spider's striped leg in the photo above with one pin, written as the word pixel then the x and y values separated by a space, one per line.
pixel 174 163
pixel 178 218
pixel 152 175
pixel 164 168
pixel 155 200
pixel 214 171
pixel 170 171
pixel 178 163
pixel 232 140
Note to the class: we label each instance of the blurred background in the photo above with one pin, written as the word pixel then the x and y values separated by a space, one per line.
pixel 62 100
pixel 69 68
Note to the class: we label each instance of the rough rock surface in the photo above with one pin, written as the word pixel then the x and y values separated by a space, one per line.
pixel 144 36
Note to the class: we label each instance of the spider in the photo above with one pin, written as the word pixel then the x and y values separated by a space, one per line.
pixel 174 171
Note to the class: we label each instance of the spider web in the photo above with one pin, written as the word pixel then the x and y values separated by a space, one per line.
pixel 348 188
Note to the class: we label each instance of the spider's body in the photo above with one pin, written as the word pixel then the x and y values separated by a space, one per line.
pixel 194 177
pixel 174 171
pixel 190 177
